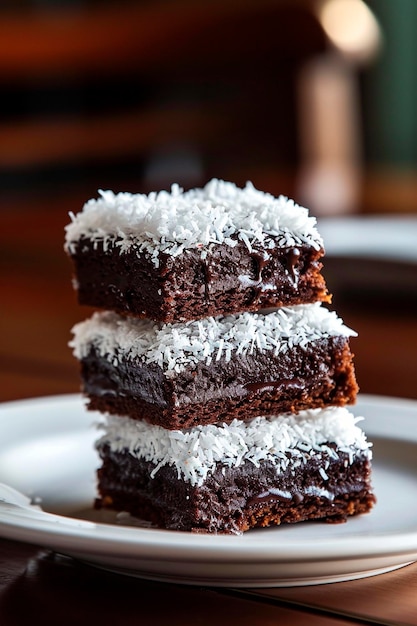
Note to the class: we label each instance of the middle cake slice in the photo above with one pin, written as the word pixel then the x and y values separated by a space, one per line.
pixel 216 369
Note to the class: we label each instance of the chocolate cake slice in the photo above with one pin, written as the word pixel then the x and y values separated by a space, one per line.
pixel 231 478
pixel 185 255
pixel 215 369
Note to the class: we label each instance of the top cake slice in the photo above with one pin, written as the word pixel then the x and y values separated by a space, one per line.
pixel 183 255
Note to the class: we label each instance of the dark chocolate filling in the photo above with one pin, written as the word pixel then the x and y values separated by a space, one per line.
pixel 233 500
pixel 248 385
pixel 190 287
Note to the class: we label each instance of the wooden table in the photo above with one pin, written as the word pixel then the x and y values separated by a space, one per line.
pixel 37 311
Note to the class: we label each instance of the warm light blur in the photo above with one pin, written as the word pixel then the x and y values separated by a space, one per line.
pixel 351 27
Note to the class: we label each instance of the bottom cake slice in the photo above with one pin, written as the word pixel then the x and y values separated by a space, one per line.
pixel 230 478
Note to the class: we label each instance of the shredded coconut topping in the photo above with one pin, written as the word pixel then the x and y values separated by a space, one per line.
pixel 177 346
pixel 173 221
pixel 287 441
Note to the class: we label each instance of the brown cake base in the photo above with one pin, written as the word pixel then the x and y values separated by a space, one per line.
pixel 320 375
pixel 234 500
pixel 185 287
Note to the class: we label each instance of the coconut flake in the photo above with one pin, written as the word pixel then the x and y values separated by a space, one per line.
pixel 179 346
pixel 170 222
pixel 285 441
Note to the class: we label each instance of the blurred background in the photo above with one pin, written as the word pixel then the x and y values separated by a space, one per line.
pixel 312 98
pixel 315 99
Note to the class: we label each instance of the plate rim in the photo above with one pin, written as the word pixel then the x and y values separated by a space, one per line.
pixel 391 226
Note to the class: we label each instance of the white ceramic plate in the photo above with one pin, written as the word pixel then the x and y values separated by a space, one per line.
pixel 46 452
pixel 388 238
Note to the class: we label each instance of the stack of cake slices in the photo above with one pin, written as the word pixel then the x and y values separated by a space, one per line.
pixel 222 376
